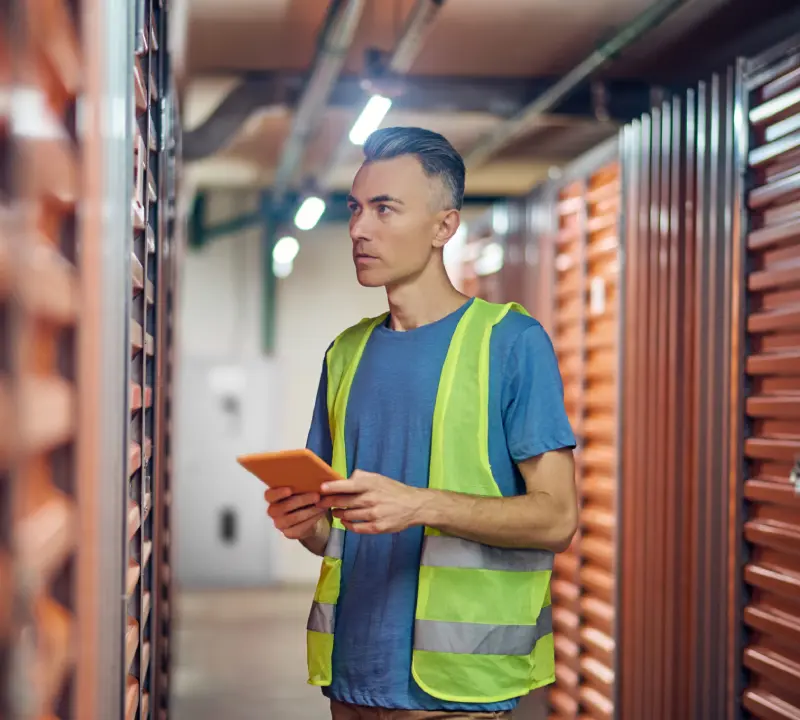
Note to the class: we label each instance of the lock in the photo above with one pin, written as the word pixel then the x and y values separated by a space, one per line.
pixel 794 476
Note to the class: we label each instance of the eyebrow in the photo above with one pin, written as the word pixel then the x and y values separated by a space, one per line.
pixel 375 200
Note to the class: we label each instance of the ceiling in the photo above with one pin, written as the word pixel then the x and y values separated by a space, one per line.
pixel 479 62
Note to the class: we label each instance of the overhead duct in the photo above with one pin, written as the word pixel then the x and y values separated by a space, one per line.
pixel 527 118
pixel 335 43
pixel 418 25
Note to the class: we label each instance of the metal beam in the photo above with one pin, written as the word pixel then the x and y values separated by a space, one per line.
pixel 499 96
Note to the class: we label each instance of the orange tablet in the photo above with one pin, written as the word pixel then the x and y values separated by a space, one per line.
pixel 301 470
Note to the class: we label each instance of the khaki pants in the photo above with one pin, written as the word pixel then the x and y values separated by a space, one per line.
pixel 342 711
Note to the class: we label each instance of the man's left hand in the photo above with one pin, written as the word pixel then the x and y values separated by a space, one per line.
pixel 370 504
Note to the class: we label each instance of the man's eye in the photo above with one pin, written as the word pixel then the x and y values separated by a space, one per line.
pixel 383 209
pixel 352 208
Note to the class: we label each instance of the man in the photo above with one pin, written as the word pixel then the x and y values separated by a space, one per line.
pixel 446 416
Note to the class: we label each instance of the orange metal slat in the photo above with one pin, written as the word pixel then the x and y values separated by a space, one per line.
pixel 134 518
pixel 132 577
pixel 50 23
pixel 55 647
pixel 131 641
pixel 47 408
pixel 131 697
pixel 45 536
pixel 51 170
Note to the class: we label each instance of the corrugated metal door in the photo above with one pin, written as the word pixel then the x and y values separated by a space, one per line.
pixel 151 336
pixel 680 195
pixel 169 259
pixel 39 319
pixel 577 273
pixel 599 456
pixel 569 339
pixel 771 450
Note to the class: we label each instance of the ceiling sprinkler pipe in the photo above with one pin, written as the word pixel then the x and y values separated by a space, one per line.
pixel 337 39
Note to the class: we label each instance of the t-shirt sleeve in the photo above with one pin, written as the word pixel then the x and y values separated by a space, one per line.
pixel 319 435
pixel 534 415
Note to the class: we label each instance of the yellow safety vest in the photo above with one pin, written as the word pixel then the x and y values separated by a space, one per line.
pixel 483 629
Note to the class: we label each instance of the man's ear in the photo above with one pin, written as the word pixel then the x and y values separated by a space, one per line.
pixel 448 224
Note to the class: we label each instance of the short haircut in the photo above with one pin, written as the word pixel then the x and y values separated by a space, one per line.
pixel 436 155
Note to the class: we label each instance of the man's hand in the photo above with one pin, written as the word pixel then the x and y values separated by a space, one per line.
pixel 296 516
pixel 370 504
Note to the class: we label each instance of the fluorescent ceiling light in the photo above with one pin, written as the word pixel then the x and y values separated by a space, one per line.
pixel 285 250
pixel 371 117
pixel 309 213
pixel 281 270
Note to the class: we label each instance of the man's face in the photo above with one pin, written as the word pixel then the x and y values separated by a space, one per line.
pixel 396 221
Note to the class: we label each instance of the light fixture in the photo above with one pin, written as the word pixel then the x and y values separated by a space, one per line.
pixel 281 270
pixel 285 250
pixel 371 117
pixel 283 255
pixel 309 213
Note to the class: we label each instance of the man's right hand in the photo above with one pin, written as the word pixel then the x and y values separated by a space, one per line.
pixel 296 516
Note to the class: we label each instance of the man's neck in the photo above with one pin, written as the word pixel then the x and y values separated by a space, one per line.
pixel 424 300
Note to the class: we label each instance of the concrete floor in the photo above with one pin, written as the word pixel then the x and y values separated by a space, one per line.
pixel 240 655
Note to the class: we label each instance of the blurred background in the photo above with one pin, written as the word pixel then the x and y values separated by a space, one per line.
pixel 175 259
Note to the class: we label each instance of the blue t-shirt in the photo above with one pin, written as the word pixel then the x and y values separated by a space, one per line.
pixel 388 431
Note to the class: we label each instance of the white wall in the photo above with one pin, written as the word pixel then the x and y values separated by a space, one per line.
pixel 220 355
pixel 315 303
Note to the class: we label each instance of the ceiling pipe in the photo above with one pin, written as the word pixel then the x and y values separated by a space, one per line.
pixel 418 24
pixel 420 20
pixel 335 42
pixel 506 132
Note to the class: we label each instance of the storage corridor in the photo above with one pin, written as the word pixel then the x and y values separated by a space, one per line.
pixel 177 249
pixel 240 655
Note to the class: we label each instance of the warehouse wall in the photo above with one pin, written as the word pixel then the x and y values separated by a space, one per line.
pixel 221 361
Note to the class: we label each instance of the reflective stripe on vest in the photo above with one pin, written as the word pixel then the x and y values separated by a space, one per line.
pixel 335 546
pixel 322 618
pixel 481 639
pixel 453 552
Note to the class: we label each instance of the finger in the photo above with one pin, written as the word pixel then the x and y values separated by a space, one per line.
pixel 276 494
pixel 293 503
pixel 301 529
pixel 340 486
pixel 359 515
pixel 345 501
pixel 298 517
pixel 362 528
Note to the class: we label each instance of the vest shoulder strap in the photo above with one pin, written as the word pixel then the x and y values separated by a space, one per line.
pixel 494 312
pixel 345 347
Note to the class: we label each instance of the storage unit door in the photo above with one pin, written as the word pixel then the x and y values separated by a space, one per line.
pixel 581 248
pixel 569 338
pixel 770 658
pixel 599 457
pixel 40 294
pixel 153 252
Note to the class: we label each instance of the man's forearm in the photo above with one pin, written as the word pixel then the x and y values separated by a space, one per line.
pixel 316 542
pixel 534 520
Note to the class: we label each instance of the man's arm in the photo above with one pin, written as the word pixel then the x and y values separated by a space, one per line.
pixel 546 517
pixel 539 440
pixel 316 541
pixel 299 517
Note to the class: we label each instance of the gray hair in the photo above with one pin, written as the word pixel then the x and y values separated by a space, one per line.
pixel 436 155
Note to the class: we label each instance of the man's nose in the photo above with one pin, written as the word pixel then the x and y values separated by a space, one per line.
pixel 359 226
